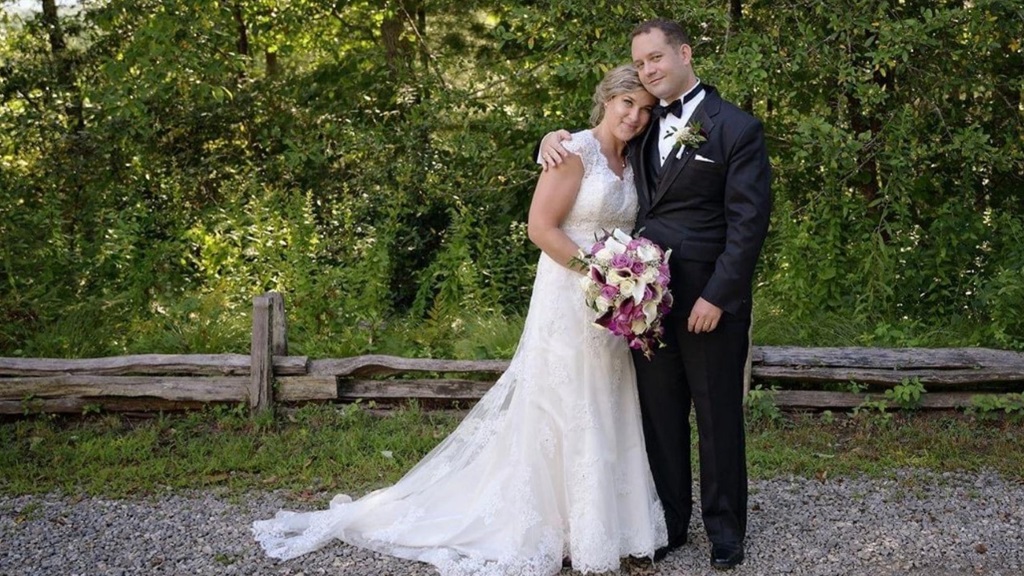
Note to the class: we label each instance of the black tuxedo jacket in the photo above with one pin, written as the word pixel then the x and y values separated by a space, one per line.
pixel 714 210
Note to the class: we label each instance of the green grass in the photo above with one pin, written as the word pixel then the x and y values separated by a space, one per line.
pixel 310 449
pixel 316 451
pixel 872 444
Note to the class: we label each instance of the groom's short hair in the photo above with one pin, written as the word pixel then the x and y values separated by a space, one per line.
pixel 673 32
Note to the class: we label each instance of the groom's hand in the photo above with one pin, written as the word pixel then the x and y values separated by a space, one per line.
pixel 704 317
pixel 551 151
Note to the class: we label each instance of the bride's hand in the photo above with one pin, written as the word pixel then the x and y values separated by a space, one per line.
pixel 551 151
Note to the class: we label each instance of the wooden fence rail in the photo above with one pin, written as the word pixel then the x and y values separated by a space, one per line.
pixel 149 382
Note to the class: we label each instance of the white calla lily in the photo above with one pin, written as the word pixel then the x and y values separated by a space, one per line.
pixel 638 326
pixel 651 312
pixel 638 291
pixel 614 246
pixel 621 236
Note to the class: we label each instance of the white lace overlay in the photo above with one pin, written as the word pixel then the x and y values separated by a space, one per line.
pixel 550 462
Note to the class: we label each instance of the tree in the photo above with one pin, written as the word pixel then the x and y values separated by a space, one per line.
pixel 370 159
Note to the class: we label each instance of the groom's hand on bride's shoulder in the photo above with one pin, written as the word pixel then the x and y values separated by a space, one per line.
pixel 551 151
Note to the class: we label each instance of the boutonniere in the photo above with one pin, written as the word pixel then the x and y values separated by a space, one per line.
pixel 691 135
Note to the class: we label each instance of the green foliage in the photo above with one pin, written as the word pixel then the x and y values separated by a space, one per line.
pixel 488 337
pixel 903 396
pixel 202 324
pixel 892 183
pixel 987 404
pixel 856 387
pixel 160 165
pixel 907 394
pixel 760 405
pixel 875 410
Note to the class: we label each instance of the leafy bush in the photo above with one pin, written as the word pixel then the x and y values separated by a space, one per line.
pixel 159 161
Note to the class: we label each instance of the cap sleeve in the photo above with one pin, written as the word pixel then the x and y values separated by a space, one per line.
pixel 584 145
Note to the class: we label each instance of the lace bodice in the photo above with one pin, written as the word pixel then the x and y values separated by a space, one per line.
pixel 605 201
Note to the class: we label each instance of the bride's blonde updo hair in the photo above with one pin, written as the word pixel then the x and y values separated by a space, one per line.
pixel 619 80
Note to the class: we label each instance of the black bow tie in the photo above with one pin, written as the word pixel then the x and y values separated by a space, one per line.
pixel 676 106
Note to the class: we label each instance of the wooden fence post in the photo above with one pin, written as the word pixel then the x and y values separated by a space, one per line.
pixel 279 332
pixel 748 368
pixel 262 355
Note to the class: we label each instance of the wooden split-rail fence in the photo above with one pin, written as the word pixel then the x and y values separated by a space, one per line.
pixel 799 378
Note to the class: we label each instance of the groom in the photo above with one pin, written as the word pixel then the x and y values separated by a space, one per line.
pixel 706 196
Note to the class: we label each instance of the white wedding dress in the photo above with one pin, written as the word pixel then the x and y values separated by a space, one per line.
pixel 551 461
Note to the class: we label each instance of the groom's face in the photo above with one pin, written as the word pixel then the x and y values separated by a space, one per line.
pixel 664 70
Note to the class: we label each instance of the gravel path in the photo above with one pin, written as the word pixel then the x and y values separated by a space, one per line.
pixel 915 523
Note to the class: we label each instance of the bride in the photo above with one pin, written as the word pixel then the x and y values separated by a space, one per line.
pixel 550 465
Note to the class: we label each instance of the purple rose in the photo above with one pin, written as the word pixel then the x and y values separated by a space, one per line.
pixel 621 261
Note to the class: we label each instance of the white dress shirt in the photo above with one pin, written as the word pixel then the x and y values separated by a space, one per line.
pixel 669 124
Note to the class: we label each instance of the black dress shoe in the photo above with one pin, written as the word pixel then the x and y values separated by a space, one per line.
pixel 566 562
pixel 673 545
pixel 726 556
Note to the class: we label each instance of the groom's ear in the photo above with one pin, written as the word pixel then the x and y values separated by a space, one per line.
pixel 685 53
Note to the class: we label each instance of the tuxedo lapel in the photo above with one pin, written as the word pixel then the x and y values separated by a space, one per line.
pixel 671 171
pixel 646 181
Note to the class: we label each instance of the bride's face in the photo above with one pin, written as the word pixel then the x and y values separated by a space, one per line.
pixel 627 114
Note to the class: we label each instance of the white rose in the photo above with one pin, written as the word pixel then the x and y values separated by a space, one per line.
pixel 647 253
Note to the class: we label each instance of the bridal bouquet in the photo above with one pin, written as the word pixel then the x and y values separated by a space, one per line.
pixel 627 284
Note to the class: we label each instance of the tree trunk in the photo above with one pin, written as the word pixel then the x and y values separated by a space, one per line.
pixel 390 37
pixel 63 64
pixel 242 44
pixel 735 10
pixel 273 67
pixel 867 180
pixel 421 23
pixel 53 29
